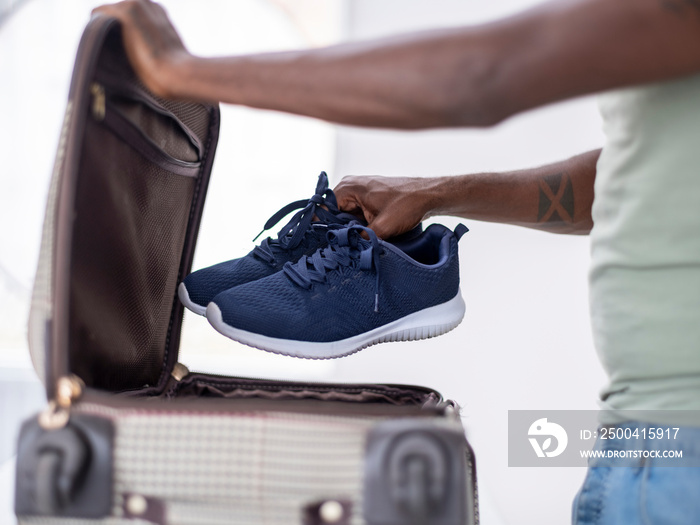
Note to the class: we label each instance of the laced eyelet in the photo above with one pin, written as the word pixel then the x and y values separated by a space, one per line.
pixel 346 249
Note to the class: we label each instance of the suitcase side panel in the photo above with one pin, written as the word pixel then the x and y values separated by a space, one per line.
pixel 42 327
pixel 197 467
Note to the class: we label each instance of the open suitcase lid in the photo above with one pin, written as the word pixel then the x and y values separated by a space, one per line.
pixel 122 216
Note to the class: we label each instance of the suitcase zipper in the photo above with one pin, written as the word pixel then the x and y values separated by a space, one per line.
pixel 118 87
pixel 120 125
pixel 98 101
pixel 179 371
pixel 429 399
pixel 100 403
pixel 179 368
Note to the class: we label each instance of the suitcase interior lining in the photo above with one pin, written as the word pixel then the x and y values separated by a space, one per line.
pixel 137 178
pixel 203 385
pixel 136 186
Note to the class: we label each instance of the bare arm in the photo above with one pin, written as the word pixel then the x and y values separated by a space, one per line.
pixel 556 198
pixel 472 76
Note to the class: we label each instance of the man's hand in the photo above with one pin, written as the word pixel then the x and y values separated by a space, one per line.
pixel 390 205
pixel 153 46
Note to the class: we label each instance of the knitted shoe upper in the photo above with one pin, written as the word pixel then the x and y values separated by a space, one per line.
pixel 302 235
pixel 348 288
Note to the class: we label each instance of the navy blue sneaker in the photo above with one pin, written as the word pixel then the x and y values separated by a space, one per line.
pixel 301 236
pixel 354 293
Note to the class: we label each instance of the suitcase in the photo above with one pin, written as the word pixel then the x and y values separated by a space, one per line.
pixel 130 436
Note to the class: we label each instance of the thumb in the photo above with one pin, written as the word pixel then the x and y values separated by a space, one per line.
pixel 346 202
pixel 354 207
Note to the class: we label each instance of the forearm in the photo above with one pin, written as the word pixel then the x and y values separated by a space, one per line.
pixel 394 82
pixel 470 76
pixel 556 198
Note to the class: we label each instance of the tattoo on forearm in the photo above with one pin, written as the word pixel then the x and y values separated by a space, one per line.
pixel 556 199
pixel 679 7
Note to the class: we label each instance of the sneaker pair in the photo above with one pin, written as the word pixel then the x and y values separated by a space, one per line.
pixel 328 288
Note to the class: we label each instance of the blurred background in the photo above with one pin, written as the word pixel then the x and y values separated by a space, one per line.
pixel 525 341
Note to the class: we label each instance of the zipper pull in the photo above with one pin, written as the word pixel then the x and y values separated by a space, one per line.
pixel 179 371
pixel 98 101
pixel 57 413
pixel 68 390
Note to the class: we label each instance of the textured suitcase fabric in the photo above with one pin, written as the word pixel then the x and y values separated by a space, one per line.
pixel 244 467
pixel 130 436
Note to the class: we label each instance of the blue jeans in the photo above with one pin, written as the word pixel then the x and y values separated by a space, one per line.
pixel 644 491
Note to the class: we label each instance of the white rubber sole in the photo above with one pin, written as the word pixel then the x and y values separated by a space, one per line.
pixel 431 322
pixel 185 300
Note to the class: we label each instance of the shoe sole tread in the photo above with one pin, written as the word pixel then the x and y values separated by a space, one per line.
pixel 424 324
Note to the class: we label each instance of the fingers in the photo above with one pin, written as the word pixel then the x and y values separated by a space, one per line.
pixel 379 229
pixel 349 201
pixel 383 202
pixel 355 208
pixel 346 197
pixel 118 10
pixel 352 194
pixel 387 225
pixel 121 10
pixel 346 202
pixel 104 10
pixel 153 47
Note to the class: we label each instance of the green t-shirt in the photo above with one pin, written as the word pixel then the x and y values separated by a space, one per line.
pixel 645 248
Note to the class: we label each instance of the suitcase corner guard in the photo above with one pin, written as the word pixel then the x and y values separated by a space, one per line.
pixel 415 474
pixel 65 472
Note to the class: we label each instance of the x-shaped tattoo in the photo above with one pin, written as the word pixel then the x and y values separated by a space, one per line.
pixel 556 199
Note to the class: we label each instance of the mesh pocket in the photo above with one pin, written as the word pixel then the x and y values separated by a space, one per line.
pixel 131 219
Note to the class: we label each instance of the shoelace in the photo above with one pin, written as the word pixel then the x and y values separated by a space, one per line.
pixel 293 232
pixel 345 246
